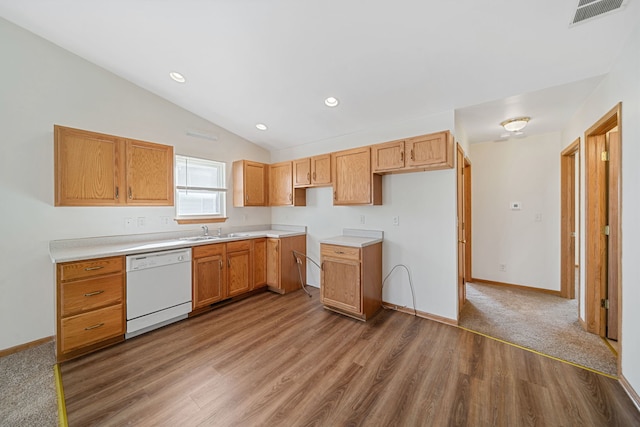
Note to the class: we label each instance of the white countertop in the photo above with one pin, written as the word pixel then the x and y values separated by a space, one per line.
pixel 98 247
pixel 355 238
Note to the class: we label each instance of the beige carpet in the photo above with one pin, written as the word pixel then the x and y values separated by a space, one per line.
pixel 27 388
pixel 542 322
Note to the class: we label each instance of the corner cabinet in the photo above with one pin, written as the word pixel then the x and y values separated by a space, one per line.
pixel 90 305
pixel 353 181
pixel 282 268
pixel 250 180
pixel 281 190
pixel 93 169
pixel 351 279
pixel 420 153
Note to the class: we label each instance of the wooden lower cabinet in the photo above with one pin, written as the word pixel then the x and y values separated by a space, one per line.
pixel 90 305
pixel 239 267
pixel 351 279
pixel 282 268
pixel 259 251
pixel 209 275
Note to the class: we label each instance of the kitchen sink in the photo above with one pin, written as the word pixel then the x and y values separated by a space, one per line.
pixel 199 238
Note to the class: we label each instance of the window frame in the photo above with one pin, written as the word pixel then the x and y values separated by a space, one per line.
pixel 222 191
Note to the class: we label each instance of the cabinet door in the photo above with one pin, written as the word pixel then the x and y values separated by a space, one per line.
pixel 273 262
pixel 259 262
pixel 149 174
pixel 433 151
pixel 321 170
pixel 340 284
pixel 249 183
pixel 387 157
pixel 280 184
pixel 209 279
pixel 239 271
pixel 87 168
pixel 352 177
pixel 302 172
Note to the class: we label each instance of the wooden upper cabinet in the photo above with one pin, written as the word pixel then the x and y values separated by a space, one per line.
pixel 302 172
pixel 88 168
pixel 149 173
pixel 281 191
pixel 425 152
pixel 312 171
pixel 250 181
pixel 93 169
pixel 353 181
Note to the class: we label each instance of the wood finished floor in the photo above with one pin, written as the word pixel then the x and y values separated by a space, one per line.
pixel 274 360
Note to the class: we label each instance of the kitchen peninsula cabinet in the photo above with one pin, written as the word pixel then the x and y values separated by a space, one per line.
pixel 250 180
pixel 353 181
pixel 93 169
pixel 420 153
pixel 351 279
pixel 282 268
pixel 90 305
pixel 281 190
pixel 312 171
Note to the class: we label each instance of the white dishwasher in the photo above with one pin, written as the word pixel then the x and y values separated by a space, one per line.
pixel 158 289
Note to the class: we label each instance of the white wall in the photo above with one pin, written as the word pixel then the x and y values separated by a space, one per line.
pixel 425 240
pixel 622 84
pixel 523 170
pixel 43 85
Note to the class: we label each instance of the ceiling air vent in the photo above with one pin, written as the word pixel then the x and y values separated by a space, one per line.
pixel 588 9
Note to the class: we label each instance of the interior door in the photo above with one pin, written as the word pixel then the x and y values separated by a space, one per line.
pixel 613 262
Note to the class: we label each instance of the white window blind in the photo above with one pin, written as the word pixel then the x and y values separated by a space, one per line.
pixel 201 189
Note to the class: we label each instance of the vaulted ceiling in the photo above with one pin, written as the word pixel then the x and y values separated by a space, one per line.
pixel 275 61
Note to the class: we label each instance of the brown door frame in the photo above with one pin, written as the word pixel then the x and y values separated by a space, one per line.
pixel 596 202
pixel 463 212
pixel 568 220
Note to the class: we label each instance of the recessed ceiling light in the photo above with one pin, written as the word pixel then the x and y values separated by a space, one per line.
pixel 177 77
pixel 331 102
pixel 261 126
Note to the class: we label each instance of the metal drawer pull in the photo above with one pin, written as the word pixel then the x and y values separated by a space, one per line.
pixel 94 268
pixel 99 325
pixel 339 252
pixel 90 294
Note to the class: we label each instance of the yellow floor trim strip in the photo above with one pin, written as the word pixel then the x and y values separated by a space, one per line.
pixel 541 354
pixel 612 348
pixel 62 409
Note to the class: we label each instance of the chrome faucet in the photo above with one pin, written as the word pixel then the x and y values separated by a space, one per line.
pixel 205 229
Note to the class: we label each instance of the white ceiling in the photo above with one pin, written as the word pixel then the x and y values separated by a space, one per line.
pixel 275 61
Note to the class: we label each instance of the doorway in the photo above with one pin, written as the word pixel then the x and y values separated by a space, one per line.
pixel 570 220
pixel 463 196
pixel 603 157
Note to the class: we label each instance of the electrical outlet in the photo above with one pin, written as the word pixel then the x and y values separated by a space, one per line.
pixel 164 220
pixel 362 219
pixel 538 217
pixel 128 223
pixel 515 206
pixel 502 267
pixel 142 221
pixel 396 220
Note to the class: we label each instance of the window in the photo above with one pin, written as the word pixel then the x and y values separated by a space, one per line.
pixel 201 191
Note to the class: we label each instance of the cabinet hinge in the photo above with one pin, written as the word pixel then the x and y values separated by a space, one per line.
pixel 604 303
pixel 605 230
pixel 604 156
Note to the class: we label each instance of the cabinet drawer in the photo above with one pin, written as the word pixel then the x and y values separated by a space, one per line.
pixel 96 267
pixel 84 295
pixel 240 245
pixel 92 327
pixel 346 252
pixel 208 250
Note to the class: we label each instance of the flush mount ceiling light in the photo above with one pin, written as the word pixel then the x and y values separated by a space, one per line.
pixel 516 124
pixel 331 102
pixel 177 77
pixel 261 126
